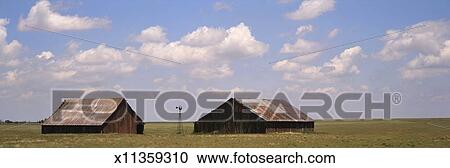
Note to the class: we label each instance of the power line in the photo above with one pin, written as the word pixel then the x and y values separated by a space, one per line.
pixel 349 43
pixel 98 43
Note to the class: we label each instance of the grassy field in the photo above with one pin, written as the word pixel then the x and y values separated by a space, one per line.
pixel 376 133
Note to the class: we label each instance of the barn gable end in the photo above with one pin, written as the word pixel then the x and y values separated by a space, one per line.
pixel 93 116
pixel 254 116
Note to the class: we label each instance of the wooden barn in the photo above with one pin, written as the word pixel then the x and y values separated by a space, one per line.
pixel 94 116
pixel 254 116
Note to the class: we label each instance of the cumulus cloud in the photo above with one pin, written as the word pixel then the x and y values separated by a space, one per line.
pixel 8 51
pixel 205 46
pixel 427 39
pixel 428 43
pixel 285 65
pixel 425 66
pixel 45 55
pixel 310 9
pixel 333 33
pixel 101 65
pixel 100 54
pixel 302 30
pixel 91 66
pixel 204 36
pixel 340 66
pixel 9 78
pixel 300 47
pixel 152 34
pixel 43 15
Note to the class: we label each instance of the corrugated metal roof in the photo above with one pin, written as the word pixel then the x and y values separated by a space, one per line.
pixel 84 112
pixel 274 110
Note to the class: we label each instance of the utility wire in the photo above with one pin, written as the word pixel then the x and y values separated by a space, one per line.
pixel 98 43
pixel 349 43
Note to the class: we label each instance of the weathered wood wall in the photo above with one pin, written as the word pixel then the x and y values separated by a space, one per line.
pixel 58 129
pixel 241 120
pixel 123 120
pixel 289 126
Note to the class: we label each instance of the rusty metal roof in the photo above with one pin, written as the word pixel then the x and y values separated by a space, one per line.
pixel 274 110
pixel 84 112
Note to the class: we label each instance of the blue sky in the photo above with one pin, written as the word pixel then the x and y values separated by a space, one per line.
pixel 234 43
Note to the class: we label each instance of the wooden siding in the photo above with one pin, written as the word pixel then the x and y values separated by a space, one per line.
pixel 229 127
pixel 235 117
pixel 58 129
pixel 122 120
pixel 289 126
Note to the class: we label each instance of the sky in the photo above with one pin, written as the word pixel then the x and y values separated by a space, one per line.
pixel 226 45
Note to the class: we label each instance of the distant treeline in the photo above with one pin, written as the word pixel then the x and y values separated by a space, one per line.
pixel 19 122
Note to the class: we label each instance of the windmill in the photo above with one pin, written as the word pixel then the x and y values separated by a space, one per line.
pixel 180 125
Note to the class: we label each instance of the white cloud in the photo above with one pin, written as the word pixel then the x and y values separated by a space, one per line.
pixel 240 42
pixel 300 47
pixel 212 72
pixel 103 60
pixel 152 34
pixel 310 9
pixel 99 55
pixel 208 45
pixel 89 66
pixel 8 51
pixel 221 6
pixel 442 59
pixel 333 33
pixel 344 63
pixel 427 39
pixel 204 36
pixel 340 66
pixel 302 30
pixel 285 65
pixel 45 55
pixel 43 15
pixel 425 66
pixel 9 78
pixel 101 65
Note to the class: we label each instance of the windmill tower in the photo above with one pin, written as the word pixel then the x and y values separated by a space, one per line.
pixel 180 124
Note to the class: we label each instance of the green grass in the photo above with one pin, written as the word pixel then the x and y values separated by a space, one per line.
pixel 375 133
